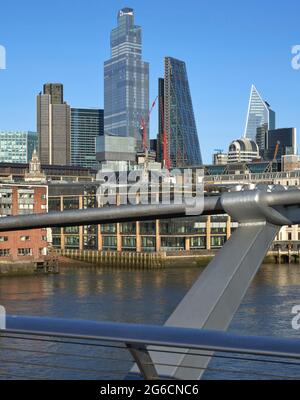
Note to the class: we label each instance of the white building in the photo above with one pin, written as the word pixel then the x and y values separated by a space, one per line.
pixel 243 150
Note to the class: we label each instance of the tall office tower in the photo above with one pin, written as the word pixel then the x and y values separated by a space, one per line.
pixel 17 146
pixel 160 136
pixel 259 113
pixel 53 126
pixel 86 126
pixel 281 142
pixel 262 139
pixel 56 91
pixel 126 81
pixel 178 116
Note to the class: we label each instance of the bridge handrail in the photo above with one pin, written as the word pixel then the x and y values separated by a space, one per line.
pixel 166 336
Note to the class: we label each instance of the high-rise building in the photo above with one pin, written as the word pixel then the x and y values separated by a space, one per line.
pixel 262 139
pixel 17 146
pixel 86 126
pixel 281 142
pixel 259 114
pixel 126 81
pixel 56 91
pixel 160 136
pixel 53 126
pixel 178 117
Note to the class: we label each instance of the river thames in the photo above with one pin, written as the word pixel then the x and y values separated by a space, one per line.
pixel 149 297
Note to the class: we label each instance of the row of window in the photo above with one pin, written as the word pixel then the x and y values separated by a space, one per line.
pixel 23 238
pixel 21 252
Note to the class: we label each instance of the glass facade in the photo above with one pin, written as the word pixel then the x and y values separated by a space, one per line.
pixel 86 125
pixel 259 115
pixel 126 80
pixel 286 139
pixel 179 119
pixel 191 233
pixel 17 146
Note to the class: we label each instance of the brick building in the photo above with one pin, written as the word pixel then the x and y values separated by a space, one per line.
pixel 28 246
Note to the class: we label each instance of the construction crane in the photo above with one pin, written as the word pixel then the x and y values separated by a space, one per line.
pixel 276 151
pixel 270 167
pixel 144 123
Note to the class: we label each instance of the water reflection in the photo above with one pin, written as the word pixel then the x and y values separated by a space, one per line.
pixel 150 297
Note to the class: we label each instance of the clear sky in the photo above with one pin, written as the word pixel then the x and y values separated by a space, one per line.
pixel 227 45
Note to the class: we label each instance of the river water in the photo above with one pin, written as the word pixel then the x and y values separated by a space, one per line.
pixel 148 297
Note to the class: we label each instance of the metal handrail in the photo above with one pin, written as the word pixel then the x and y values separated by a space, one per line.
pixel 166 336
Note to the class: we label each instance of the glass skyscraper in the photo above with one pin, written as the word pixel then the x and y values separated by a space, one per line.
pixel 285 138
pixel 86 126
pixel 259 115
pixel 17 146
pixel 179 120
pixel 126 81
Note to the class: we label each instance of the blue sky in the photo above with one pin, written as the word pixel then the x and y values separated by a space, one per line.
pixel 227 45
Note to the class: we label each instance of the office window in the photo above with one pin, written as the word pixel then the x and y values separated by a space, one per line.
pixel 4 252
pixel 25 252
pixel 24 238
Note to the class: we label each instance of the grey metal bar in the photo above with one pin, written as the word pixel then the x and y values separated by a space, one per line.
pixel 143 360
pixel 216 295
pixel 166 336
pixel 213 300
pixel 212 205
pixel 91 216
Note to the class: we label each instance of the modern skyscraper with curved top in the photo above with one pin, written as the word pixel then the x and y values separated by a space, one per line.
pixel 126 80
pixel 259 115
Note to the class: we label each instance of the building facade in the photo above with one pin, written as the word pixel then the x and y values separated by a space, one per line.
pixel 243 150
pixel 17 146
pixel 23 246
pixel 86 125
pixel 14 172
pixel 53 126
pixel 126 81
pixel 220 158
pixel 259 114
pixel 281 142
pixel 178 117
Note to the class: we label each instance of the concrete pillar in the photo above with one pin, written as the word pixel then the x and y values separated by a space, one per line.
pixel 62 235
pixel 81 230
pixel 187 244
pixel 119 238
pixel 157 235
pixel 99 234
pixel 208 233
pixel 100 238
pixel 228 227
pixel 138 237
